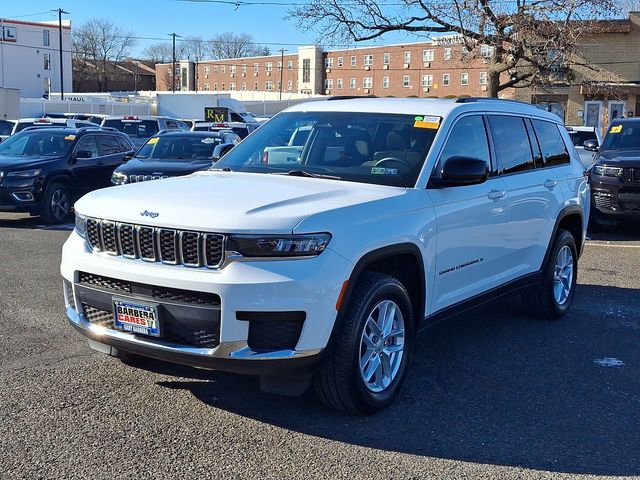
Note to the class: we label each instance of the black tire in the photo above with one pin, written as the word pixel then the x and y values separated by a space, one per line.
pixel 541 300
pixel 56 203
pixel 338 382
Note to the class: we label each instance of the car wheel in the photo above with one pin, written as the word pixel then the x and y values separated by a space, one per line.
pixel 368 361
pixel 552 299
pixel 56 205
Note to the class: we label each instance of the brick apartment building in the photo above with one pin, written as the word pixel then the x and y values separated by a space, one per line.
pixel 427 69
pixel 608 87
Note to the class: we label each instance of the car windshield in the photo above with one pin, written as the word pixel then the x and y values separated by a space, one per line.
pixel 134 128
pixel 579 137
pixel 622 136
pixel 379 148
pixel 180 147
pixel 41 142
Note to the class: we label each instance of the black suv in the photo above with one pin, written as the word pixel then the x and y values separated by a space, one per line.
pixel 43 171
pixel 615 175
pixel 173 153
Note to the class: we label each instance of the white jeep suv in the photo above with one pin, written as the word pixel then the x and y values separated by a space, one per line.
pixel 395 214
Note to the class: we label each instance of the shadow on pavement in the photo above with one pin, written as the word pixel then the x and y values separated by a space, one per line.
pixel 491 387
pixel 34 223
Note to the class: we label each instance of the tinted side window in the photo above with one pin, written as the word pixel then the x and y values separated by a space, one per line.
pixel 124 145
pixel 108 145
pixel 88 143
pixel 5 127
pixel 554 151
pixel 468 138
pixel 236 118
pixel 511 142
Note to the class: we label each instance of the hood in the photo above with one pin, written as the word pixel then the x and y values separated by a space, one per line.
pixel 12 163
pixel 173 168
pixel 228 201
pixel 621 158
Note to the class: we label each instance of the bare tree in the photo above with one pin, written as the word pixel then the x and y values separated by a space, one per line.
pixel 159 52
pixel 194 49
pixel 233 45
pixel 101 44
pixel 525 42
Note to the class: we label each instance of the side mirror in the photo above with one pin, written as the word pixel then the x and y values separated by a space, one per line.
pixel 129 155
pixel 459 171
pixel 83 154
pixel 220 151
pixel 590 145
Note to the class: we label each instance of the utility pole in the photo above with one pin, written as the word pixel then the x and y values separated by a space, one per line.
pixel 60 12
pixel 281 69
pixel 173 64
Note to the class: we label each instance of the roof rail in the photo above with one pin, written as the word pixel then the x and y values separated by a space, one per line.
pixel 46 125
pixel 490 99
pixel 98 128
pixel 350 97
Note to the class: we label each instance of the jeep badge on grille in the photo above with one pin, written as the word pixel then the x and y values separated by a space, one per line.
pixel 147 213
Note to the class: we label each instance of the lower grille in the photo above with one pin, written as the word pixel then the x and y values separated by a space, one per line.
pixel 631 175
pixel 68 291
pixel 106 283
pixel 603 201
pixel 630 206
pixel 272 331
pixel 171 331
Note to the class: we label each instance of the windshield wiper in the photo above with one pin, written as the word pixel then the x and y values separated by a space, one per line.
pixel 225 169
pixel 303 173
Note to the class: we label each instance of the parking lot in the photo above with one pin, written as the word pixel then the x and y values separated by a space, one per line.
pixel 491 394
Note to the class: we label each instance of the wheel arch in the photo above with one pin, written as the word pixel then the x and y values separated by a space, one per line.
pixel 570 219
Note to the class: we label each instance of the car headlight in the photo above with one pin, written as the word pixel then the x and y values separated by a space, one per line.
pixel 607 171
pixel 25 173
pixel 81 225
pixel 118 178
pixel 278 245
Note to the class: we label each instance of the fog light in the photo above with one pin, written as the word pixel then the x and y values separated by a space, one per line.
pixel 23 196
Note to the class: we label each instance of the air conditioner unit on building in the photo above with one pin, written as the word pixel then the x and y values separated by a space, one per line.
pixel 206 76
pixel 327 92
pixel 367 67
pixel 427 64
pixel 406 65
pixel 367 90
pixel 425 89
pixel 483 88
pixel 255 74
pixel 244 74
pixel 328 70
pixel 385 67
pixel 268 74
pixel 233 75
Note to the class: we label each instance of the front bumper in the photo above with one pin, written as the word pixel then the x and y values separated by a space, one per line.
pixel 245 290
pixel 611 196
pixel 27 199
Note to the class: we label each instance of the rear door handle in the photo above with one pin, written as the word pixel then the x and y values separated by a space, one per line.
pixel 550 184
pixel 496 194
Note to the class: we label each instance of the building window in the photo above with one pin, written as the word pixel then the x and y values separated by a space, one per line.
pixel 427 80
pixel 385 82
pixel 367 82
pixel 405 81
pixel 290 65
pixel 353 61
pixel 446 79
pixel 47 61
pixel 208 86
pixel 256 68
pixel 279 87
pixel 223 87
pixel 244 68
pixel 427 55
pixel 368 60
pixel 306 70
pixel 328 62
pixel 289 85
pixel 206 69
pixel 169 72
pixel 223 69
pixel 268 86
pixel 244 86
pixel 352 83
pixel 340 61
pixel 486 51
pixel 215 87
pixel 484 78
pixel 279 65
pixel 268 67
pixel 447 54
pixel 464 79
pixel 255 86
pixel 232 86
pixel 47 86
pixel 46 41
pixel 386 58
pixel 328 83
pixel 339 83
pixel 407 57
pixel 215 69
pixel 232 69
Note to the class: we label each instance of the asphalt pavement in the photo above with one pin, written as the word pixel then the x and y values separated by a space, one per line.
pixel 490 394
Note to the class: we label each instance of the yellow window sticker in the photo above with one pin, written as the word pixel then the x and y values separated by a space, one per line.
pixel 427 121
pixel 153 141
pixel 71 138
pixel 616 129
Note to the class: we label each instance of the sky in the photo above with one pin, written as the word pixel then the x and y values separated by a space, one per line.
pixel 155 19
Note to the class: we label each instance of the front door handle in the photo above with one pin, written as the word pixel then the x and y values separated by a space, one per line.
pixel 496 194
pixel 550 184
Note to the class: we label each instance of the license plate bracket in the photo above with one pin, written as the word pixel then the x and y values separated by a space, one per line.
pixel 136 317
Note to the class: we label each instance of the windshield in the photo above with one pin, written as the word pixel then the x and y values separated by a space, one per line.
pixel 182 147
pixel 622 136
pixel 384 149
pixel 41 142
pixel 134 128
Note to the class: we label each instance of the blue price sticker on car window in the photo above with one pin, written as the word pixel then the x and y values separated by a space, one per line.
pixel 384 171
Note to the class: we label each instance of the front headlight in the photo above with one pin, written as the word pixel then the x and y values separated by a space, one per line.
pixel 118 178
pixel 81 225
pixel 278 245
pixel 607 171
pixel 25 173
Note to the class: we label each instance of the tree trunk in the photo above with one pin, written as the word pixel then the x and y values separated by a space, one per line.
pixel 494 83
